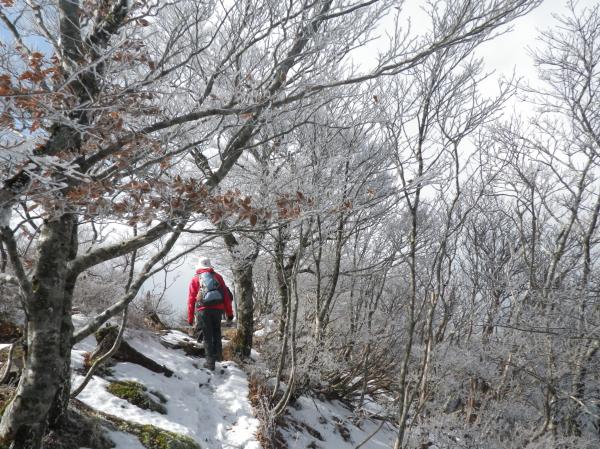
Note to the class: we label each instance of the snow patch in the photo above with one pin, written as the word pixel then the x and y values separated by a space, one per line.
pixel 124 440
pixel 211 408
pixel 333 425
pixel 267 328
pixel 175 336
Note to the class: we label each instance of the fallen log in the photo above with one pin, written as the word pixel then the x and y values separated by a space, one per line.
pixel 106 337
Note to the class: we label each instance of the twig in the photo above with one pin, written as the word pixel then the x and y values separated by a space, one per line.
pixel 13 254
pixel 13 30
pixel 372 435
pixel 100 360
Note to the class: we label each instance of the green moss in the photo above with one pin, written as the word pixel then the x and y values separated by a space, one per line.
pixel 104 331
pixel 155 438
pixel 150 436
pixel 135 393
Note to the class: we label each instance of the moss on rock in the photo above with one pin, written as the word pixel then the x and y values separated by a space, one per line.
pixel 154 438
pixel 104 331
pixel 78 431
pixel 151 437
pixel 135 393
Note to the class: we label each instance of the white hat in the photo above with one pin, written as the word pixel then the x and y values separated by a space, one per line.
pixel 203 262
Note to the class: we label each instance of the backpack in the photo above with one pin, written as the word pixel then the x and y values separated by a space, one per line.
pixel 209 293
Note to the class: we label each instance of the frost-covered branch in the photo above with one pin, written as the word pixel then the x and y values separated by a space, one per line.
pixel 15 259
pixel 94 324
pixel 108 252
pixel 104 357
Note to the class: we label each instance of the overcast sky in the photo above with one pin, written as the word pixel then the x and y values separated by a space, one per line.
pixel 505 54
pixel 509 51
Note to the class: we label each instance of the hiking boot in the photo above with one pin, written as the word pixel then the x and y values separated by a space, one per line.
pixel 210 365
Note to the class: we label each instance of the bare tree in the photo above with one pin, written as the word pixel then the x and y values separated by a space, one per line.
pixel 96 123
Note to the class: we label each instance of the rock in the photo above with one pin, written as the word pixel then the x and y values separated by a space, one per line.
pixel 150 436
pixel 154 438
pixel 135 393
pixel 79 431
pixel 189 346
pixel 6 393
pixel 106 337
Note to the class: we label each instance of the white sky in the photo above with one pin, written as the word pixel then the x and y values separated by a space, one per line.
pixel 510 51
pixel 505 54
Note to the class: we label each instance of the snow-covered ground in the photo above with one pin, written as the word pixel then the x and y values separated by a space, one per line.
pixel 268 326
pixel 211 408
pixel 331 425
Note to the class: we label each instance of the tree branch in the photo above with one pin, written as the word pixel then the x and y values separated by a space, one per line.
pixel 42 24
pixel 100 360
pixel 13 254
pixel 13 29
pixel 109 252
pixel 116 308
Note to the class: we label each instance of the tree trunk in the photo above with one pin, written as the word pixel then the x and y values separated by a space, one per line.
pixel 245 288
pixel 42 394
pixel 282 278
pixel 243 265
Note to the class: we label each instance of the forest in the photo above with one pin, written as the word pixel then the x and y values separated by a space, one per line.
pixel 403 233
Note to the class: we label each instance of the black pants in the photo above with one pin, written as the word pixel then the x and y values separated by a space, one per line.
pixel 210 323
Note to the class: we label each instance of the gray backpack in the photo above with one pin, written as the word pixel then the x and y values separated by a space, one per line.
pixel 209 293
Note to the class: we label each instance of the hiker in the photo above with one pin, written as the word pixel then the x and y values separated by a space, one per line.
pixel 208 298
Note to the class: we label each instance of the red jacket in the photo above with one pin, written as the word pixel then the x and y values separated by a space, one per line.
pixel 193 293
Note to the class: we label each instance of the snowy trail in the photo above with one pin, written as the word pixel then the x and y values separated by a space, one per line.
pixel 214 409
pixel 211 408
